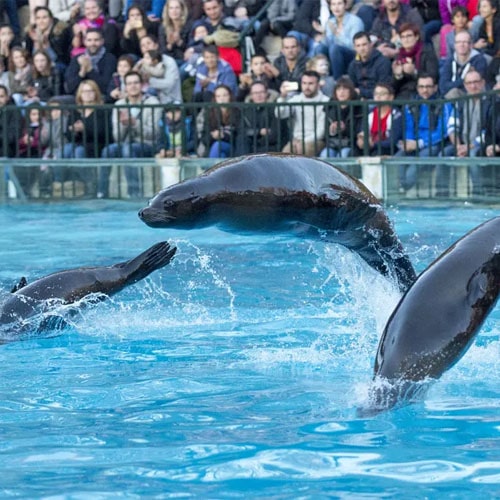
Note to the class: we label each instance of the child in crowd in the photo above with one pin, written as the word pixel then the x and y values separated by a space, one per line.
pixel 321 65
pixel 259 72
pixel 116 87
pixel 459 22
pixel 153 70
pixel 177 134
pixel 192 56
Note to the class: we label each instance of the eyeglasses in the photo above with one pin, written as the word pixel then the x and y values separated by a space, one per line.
pixel 463 41
pixel 408 35
pixel 473 82
pixel 425 87
pixel 380 94
pixel 135 82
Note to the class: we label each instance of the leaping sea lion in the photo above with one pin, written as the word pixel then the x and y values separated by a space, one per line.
pixel 282 193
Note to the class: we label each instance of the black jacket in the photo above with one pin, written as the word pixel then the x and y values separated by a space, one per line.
pixel 366 74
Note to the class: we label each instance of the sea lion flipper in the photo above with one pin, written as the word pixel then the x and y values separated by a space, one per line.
pixel 22 283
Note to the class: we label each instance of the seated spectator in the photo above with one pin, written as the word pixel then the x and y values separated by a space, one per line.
pixel 454 68
pixel 211 73
pixel 384 129
pixel 431 16
pixel 387 23
pixel 260 71
pixel 308 122
pixel 153 8
pixel 51 35
pixel 279 20
pixel 310 22
pixel 488 41
pixel 116 87
pixel 424 127
pixel 459 22
pixel 46 78
pixel 4 75
pixel 493 72
pixel 7 42
pixel 175 28
pixel 67 11
pixel 9 7
pixel 413 58
pixel 96 63
pixel 259 129
pixel 135 131
pixel 177 133
pixel 337 43
pixel 291 63
pixel 369 67
pixel 492 136
pixel 344 120
pixel 321 65
pixel 219 131
pixel 214 14
pixel 10 124
pixel 136 26
pixel 466 128
pixel 168 85
pixel 93 17
pixel 21 76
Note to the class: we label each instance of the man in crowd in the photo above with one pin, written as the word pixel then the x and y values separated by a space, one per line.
pixel 308 121
pixel 135 131
pixel 369 67
pixel 425 126
pixel 290 64
pixel 96 63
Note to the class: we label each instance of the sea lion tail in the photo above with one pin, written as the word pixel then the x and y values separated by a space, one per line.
pixel 150 260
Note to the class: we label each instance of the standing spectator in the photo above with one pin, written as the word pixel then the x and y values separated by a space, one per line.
pixel 291 63
pixel 488 40
pixel 96 63
pixel 220 129
pixel 414 57
pixel 136 27
pixel 369 67
pixel 429 12
pixel 169 84
pixel 466 129
pixel 308 121
pixel 344 120
pixel 51 35
pixel 464 59
pixel 386 25
pixel 20 77
pixel 211 73
pixel 338 41
pixel 385 125
pixel 173 35
pixel 135 131
pixel 93 17
pixel 259 131
pixel 425 129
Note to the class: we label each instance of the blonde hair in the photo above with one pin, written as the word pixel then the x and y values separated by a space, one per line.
pixel 97 92
pixel 167 22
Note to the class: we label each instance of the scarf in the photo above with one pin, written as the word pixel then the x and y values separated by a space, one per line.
pixel 413 54
pixel 380 125
pixel 95 59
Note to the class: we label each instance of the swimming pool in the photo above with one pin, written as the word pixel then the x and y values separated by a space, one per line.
pixel 233 372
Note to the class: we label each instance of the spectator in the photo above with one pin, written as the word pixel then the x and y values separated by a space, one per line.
pixel 260 71
pixel 4 75
pixel 220 128
pixel 93 17
pixel 454 68
pixel 447 8
pixel 430 14
pixel 459 22
pixel 10 124
pixel 493 72
pixel 466 128
pixel 413 58
pixel 279 20
pixel 153 8
pixel 492 138
pixel 321 65
pixel 425 126
pixel 20 77
pixel 211 73
pixel 135 131
pixel 9 7
pixel 344 120
pixel 136 27
pixel 338 41
pixel 308 122
pixel 310 22
pixel 386 25
pixel 173 35
pixel 214 14
pixel 290 64
pixel 67 11
pixel 46 78
pixel 96 63
pixel 116 87
pixel 7 42
pixel 385 125
pixel 488 40
pixel 369 67
pixel 259 131
pixel 169 85
pixel 51 35
pixel 177 133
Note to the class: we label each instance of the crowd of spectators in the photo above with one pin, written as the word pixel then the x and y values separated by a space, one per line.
pixel 149 57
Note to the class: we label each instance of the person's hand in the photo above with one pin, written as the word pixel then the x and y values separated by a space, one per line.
pixel 480 44
pixel 492 149
pixel 409 67
pixel 78 126
pixel 263 131
pixel 397 69
pixel 408 145
pixel 461 150
pixel 215 134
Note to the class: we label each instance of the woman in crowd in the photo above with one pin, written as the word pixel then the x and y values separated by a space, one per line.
pixel 488 41
pixel 20 77
pixel 385 125
pixel 51 35
pixel 343 120
pixel 174 31
pixel 414 57
pixel 136 26
pixel 46 78
pixel 219 131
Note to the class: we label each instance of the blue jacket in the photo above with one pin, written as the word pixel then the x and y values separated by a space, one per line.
pixel 225 75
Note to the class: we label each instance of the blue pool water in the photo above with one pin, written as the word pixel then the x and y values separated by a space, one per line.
pixel 234 372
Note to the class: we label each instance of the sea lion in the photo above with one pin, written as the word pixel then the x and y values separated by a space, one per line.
pixel 44 295
pixel 282 193
pixel 438 318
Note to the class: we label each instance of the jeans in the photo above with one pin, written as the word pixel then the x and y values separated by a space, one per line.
pixel 125 150
pixel 335 153
pixel 339 56
pixel 220 149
